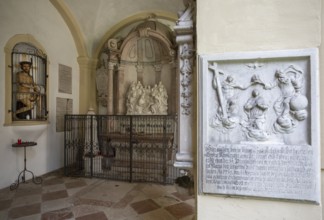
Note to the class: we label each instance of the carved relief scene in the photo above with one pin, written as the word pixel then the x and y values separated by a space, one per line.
pixel 259 122
pixel 260 100
pixel 136 74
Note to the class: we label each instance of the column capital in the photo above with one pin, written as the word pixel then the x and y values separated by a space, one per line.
pixel 87 62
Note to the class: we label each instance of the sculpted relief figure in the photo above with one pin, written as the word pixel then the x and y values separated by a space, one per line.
pixel 28 91
pixel 160 100
pixel 291 106
pixel 255 109
pixel 146 100
pixel 227 111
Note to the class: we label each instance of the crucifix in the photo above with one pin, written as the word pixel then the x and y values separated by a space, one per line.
pixel 217 86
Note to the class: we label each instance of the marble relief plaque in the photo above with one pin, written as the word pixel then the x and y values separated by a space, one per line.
pixel 259 124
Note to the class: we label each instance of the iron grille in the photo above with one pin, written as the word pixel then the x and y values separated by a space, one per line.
pixel 126 148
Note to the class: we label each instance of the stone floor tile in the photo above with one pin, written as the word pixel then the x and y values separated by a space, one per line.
pixel 60 214
pixel 130 197
pixel 81 210
pixel 30 217
pixel 6 194
pixel 4 214
pixel 75 184
pixel 144 206
pixel 167 200
pixel 191 202
pixel 26 200
pixel 5 204
pixel 53 181
pixel 53 188
pixel 54 195
pixel 80 198
pixel 56 204
pixel 153 190
pixel 109 191
pixel 180 210
pixel 183 197
pixel 189 217
pixel 24 211
pixel 28 190
pixel 159 214
pixel 126 213
pixel 93 202
pixel 96 216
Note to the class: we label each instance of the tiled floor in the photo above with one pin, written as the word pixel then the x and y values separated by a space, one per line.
pixel 60 197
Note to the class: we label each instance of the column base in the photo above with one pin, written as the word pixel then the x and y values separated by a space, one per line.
pixel 183 160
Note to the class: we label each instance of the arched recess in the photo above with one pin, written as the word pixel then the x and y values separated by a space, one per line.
pixel 163 15
pixel 146 54
pixel 19 38
pixel 87 92
pixel 73 25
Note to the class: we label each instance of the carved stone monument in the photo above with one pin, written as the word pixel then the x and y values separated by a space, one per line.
pixel 146 100
pixel 259 124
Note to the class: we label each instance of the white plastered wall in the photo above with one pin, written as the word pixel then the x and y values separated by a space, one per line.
pixel 249 25
pixel 41 20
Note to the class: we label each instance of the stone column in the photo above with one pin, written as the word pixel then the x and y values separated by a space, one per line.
pixel 120 91
pixel 113 78
pixel 110 97
pixel 174 88
pixel 87 90
pixel 184 37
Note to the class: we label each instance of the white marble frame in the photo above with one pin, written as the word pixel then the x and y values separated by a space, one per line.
pixel 311 54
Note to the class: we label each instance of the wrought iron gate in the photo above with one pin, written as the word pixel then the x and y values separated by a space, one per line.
pixel 128 148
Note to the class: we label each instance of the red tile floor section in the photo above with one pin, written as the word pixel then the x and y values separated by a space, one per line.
pixel 60 197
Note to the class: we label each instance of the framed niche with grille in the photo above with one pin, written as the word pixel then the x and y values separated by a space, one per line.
pixel 29 87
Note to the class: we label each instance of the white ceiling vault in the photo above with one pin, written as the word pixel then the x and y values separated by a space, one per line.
pixel 96 18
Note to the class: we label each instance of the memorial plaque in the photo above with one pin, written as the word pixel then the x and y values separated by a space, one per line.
pixel 65 79
pixel 259 125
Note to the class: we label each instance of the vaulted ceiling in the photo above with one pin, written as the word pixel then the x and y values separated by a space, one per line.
pixel 97 19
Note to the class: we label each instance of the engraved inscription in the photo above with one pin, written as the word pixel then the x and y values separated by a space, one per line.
pixel 65 79
pixel 279 171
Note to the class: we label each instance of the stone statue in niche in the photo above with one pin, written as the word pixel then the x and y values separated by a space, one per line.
pixel 102 80
pixel 28 93
pixel 255 109
pixel 227 112
pixel 146 100
pixel 291 106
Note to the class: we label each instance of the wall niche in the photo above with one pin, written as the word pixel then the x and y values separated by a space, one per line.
pixel 146 54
